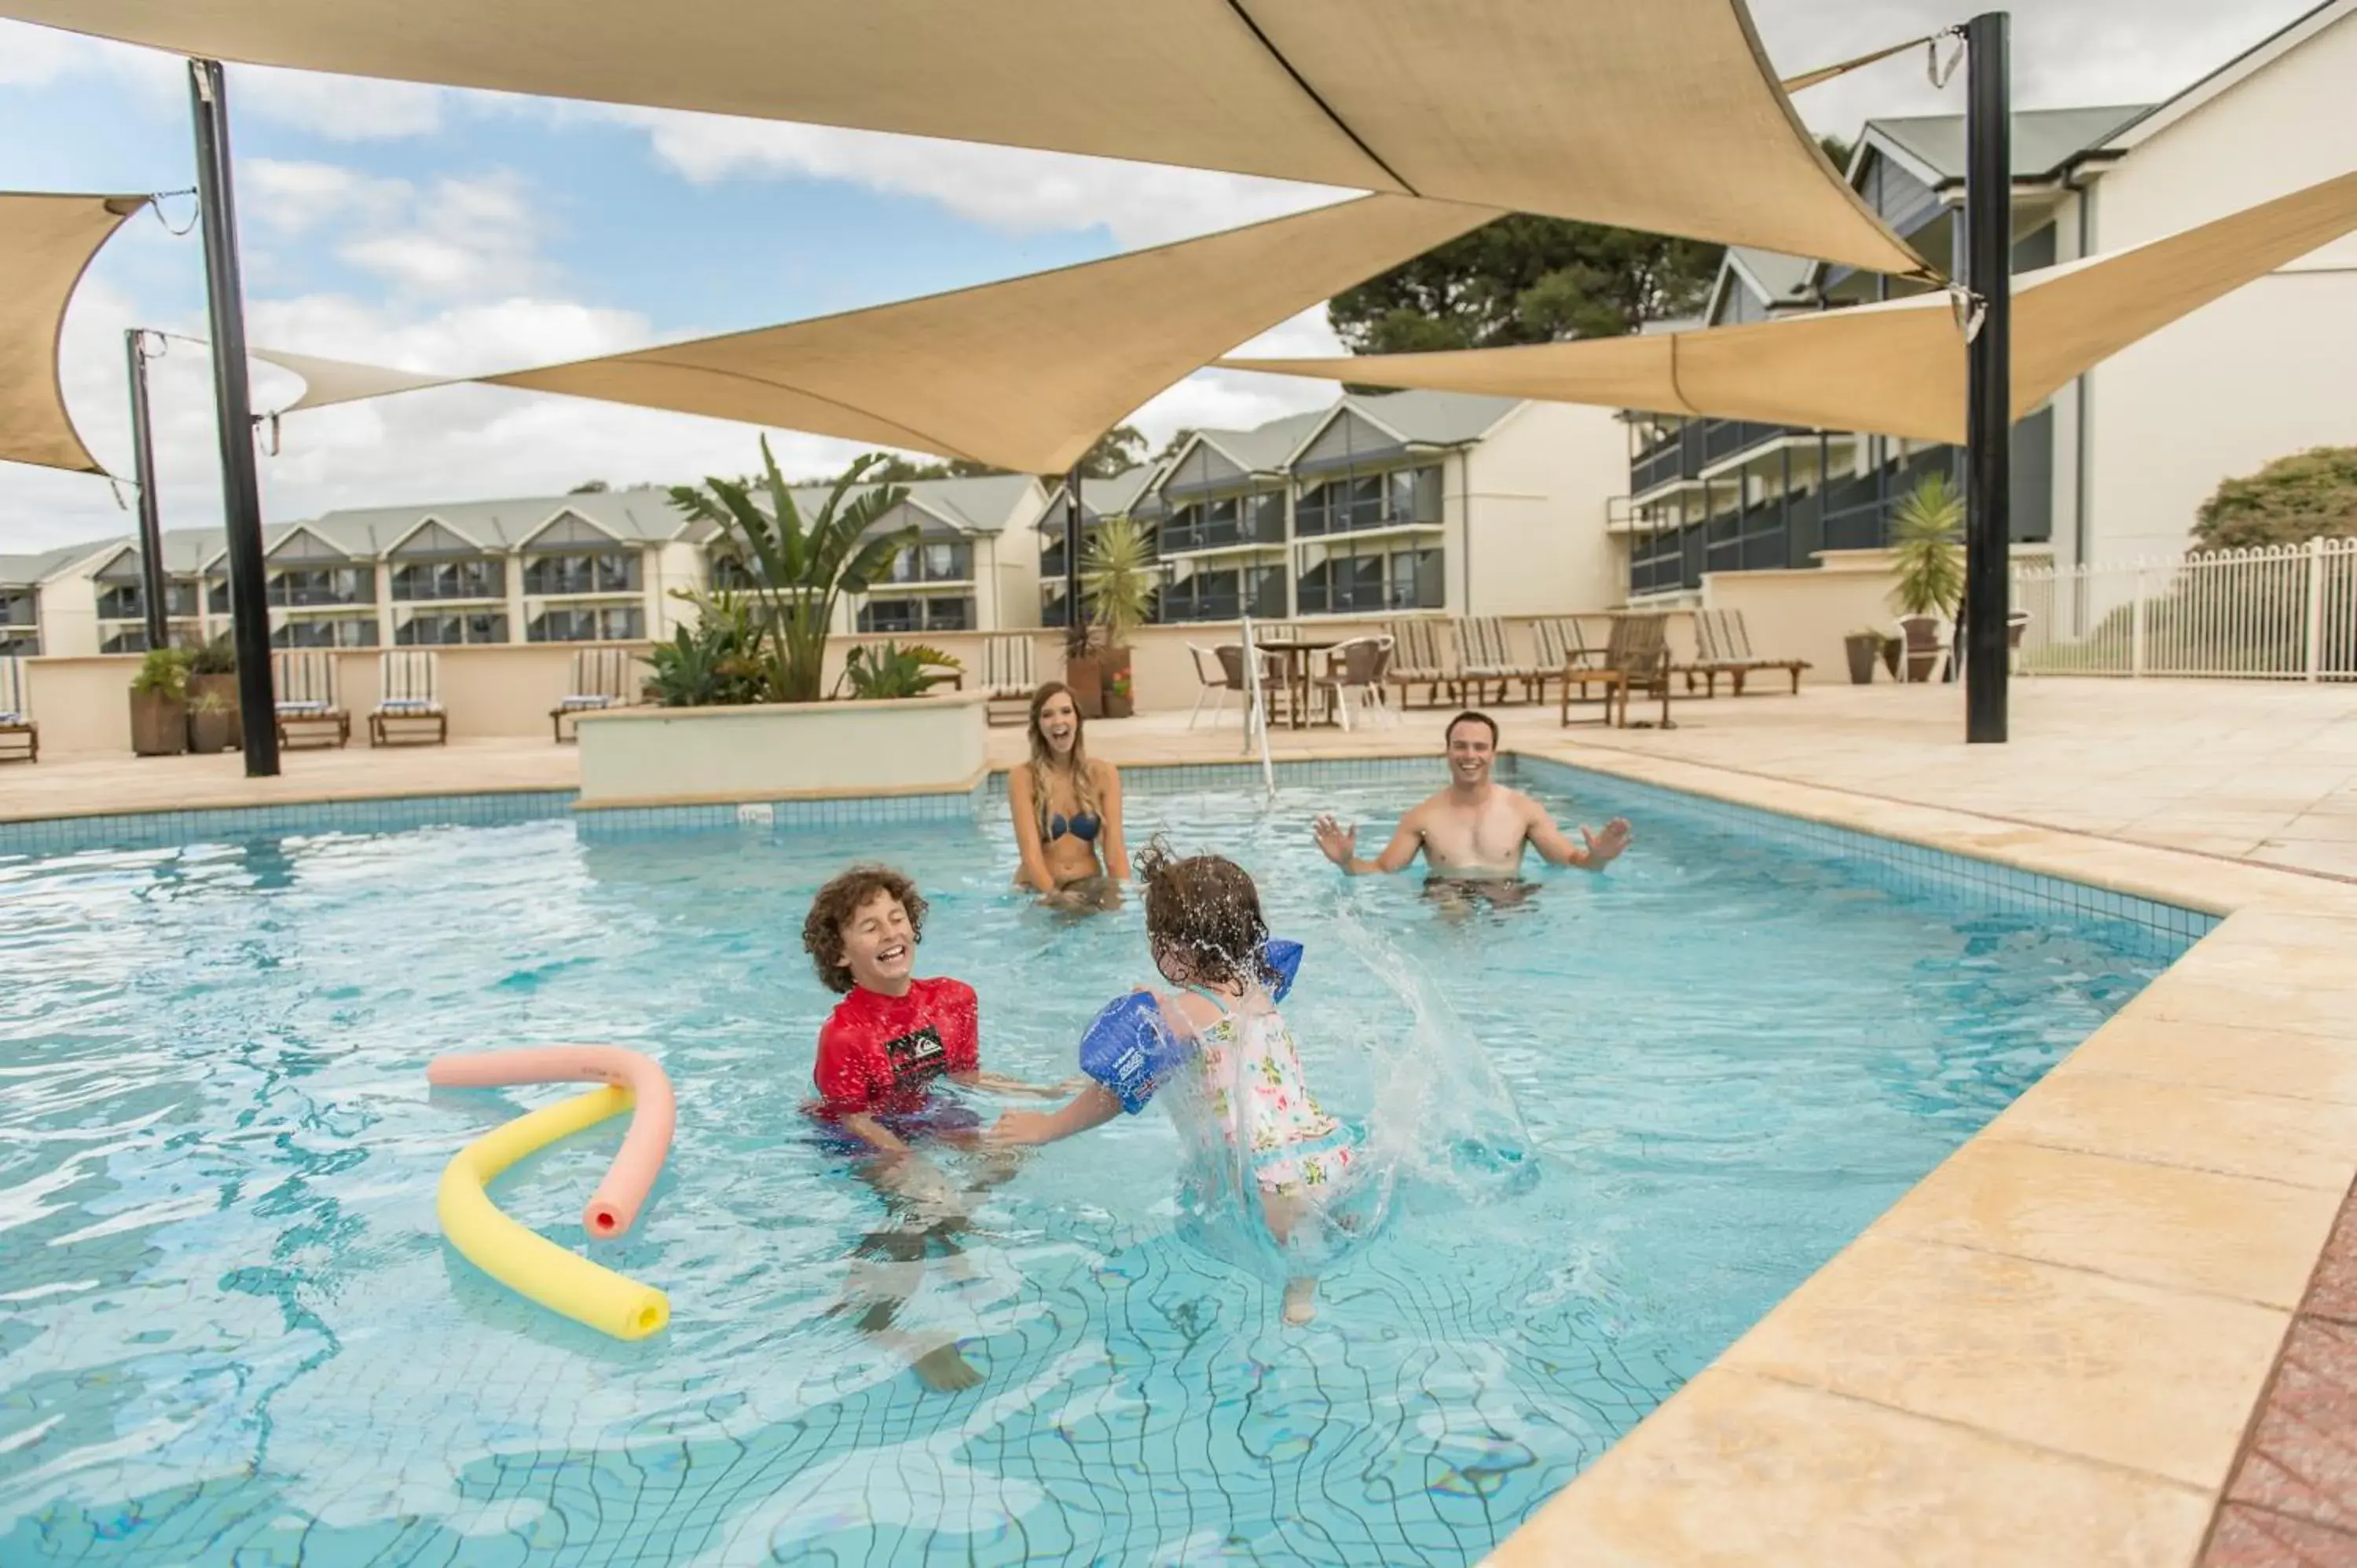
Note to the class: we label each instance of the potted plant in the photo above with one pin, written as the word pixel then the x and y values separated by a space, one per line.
pixel 1117 577
pixel 209 717
pixel 800 567
pixel 212 667
pixel 159 703
pixel 1863 646
pixel 1890 650
pixel 1928 555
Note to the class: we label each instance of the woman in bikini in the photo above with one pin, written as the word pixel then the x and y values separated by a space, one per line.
pixel 1067 811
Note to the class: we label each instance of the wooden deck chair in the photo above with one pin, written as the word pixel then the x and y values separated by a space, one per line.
pixel 1007 677
pixel 1562 645
pixel 1725 645
pixel 410 694
pixel 1416 660
pixel 1484 654
pixel 1636 659
pixel 599 677
pixel 20 737
pixel 308 706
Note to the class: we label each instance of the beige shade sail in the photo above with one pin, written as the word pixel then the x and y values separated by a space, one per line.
pixel 1655 115
pixel 1896 369
pixel 1024 374
pixel 46 244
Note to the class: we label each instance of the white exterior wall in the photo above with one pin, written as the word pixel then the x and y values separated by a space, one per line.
pixel 68 608
pixel 1536 488
pixel 2266 371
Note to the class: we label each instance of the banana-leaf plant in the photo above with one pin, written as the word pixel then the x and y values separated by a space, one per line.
pixel 800 567
pixel 892 671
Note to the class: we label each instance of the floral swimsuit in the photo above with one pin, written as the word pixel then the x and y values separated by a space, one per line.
pixel 1294 1144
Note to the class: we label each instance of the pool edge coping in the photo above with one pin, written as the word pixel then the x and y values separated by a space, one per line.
pixel 1880 1448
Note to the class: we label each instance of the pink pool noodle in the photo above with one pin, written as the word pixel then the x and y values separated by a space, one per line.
pixel 615 1204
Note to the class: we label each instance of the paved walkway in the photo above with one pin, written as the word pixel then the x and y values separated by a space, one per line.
pixel 2251 772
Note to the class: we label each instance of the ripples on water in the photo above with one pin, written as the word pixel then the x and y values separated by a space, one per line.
pixel 233 1334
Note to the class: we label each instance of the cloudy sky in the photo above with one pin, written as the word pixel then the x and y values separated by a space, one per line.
pixel 453 232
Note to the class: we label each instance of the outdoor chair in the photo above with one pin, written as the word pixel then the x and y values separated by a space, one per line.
pixel 1483 655
pixel 1416 660
pixel 1212 683
pixel 308 708
pixel 1231 656
pixel 2017 625
pixel 409 693
pixel 1723 645
pixel 1929 648
pixel 1008 677
pixel 1356 670
pixel 600 678
pixel 19 736
pixel 1636 659
pixel 1562 646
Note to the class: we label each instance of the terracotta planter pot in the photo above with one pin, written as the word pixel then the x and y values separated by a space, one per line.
pixel 1891 646
pixel 1862 652
pixel 160 724
pixel 1085 674
pixel 208 733
pixel 1115 663
pixel 225 688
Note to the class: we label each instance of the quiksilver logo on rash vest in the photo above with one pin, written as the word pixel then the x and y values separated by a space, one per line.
pixel 916 1056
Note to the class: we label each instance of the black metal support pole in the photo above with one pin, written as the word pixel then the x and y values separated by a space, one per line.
pixel 1989 237
pixel 143 464
pixel 1076 625
pixel 233 409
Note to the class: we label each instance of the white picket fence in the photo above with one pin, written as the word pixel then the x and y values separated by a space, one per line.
pixel 2279 613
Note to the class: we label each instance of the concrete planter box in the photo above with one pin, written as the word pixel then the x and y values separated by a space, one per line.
pixel 782 751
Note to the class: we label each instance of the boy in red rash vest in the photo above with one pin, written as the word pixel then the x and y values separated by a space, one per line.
pixel 881 1055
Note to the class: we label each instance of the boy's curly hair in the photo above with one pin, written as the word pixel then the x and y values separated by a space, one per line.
pixel 1203 918
pixel 838 901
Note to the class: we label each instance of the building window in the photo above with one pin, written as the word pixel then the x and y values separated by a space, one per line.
pixel 582 572
pixel 18 642
pixel 1226 594
pixel 941 562
pixel 477 579
pixel 1378 582
pixel 588 623
pixel 338 632
pixel 451 629
pixel 731 575
pixel 1224 521
pixel 1350 502
pixel 130 639
pixel 890 618
pixel 308 586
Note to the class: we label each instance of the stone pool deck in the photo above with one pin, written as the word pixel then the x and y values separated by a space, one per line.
pixel 2119 1326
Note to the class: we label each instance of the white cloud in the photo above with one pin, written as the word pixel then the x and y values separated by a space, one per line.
pixel 340 108
pixel 1235 399
pixel 35 57
pixel 1009 189
pixel 295 196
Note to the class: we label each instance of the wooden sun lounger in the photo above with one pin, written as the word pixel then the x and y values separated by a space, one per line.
pixel 1007 677
pixel 308 708
pixel 600 678
pixel 410 687
pixel 20 737
pixel 1725 649
pixel 1484 655
pixel 1416 660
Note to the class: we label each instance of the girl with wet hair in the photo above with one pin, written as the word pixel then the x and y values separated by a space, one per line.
pixel 1207 935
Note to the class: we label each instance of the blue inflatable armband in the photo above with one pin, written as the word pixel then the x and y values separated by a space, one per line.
pixel 1130 1050
pixel 1284 958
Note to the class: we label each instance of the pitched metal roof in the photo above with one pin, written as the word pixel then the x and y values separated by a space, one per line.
pixel 1777 278
pixel 2043 139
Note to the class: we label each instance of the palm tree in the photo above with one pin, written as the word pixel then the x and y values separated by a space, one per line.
pixel 800 569
pixel 1116 581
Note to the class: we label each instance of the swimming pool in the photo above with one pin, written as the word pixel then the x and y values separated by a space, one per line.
pixel 234 1334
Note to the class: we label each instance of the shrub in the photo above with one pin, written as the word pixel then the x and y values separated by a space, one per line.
pixel 2290 501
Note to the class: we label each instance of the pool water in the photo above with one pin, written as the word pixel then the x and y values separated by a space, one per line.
pixel 233 1334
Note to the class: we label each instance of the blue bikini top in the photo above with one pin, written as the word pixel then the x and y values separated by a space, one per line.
pixel 1082 825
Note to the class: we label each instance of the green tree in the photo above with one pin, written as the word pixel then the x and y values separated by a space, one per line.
pixel 800 569
pixel 2290 501
pixel 1927 547
pixel 589 487
pixel 1525 279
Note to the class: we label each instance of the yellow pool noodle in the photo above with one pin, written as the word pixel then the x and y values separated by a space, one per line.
pixel 526 1263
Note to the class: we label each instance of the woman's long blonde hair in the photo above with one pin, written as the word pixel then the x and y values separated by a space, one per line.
pixel 1043 759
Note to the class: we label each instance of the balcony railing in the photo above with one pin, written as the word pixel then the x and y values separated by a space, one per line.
pixel 1179 537
pixel 1696 444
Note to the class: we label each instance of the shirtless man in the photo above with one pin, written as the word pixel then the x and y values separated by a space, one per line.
pixel 1471 834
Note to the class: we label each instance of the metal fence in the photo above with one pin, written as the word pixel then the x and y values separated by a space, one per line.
pixel 2280 613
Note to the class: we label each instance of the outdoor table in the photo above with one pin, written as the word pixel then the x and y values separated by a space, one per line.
pixel 1295 653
